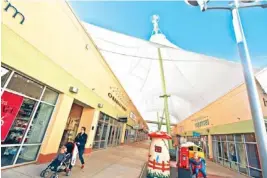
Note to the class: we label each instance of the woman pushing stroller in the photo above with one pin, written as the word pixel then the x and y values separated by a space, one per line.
pixel 80 141
pixel 66 157
pixel 63 162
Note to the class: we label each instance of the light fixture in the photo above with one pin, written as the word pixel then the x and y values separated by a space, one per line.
pixel 73 89
pixel 100 105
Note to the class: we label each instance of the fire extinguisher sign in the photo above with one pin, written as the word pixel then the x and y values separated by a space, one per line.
pixel 10 105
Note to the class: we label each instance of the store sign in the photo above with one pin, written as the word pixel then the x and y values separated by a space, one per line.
pixel 123 119
pixel 10 106
pixel 132 116
pixel 116 101
pixel 196 134
pixel 201 122
pixel 136 127
pixel 16 12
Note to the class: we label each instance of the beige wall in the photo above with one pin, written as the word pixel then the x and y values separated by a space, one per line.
pixel 86 121
pixel 231 110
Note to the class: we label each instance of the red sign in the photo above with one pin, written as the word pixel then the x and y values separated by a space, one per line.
pixel 10 106
pixel 158 149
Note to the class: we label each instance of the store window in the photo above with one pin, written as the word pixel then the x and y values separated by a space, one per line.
pixel 21 122
pixel 108 132
pixel 25 86
pixel 24 118
pixel 233 156
pixel 238 152
pixel 242 157
pixel 5 73
pixel 50 96
pixel 39 123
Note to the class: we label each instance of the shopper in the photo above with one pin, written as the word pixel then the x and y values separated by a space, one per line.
pixel 80 140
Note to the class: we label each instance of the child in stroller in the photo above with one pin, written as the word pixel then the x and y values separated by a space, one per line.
pixel 63 162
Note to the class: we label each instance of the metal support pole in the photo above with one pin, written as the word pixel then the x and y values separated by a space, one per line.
pixel 254 101
pixel 161 121
pixel 165 96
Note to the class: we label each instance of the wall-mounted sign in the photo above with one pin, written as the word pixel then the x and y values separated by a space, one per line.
pixel 16 12
pixel 136 127
pixel 196 134
pixel 132 116
pixel 201 122
pixel 123 119
pixel 117 101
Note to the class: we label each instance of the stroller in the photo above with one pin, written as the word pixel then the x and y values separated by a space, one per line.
pixel 62 162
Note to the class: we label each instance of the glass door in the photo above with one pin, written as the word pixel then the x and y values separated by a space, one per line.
pixel 114 136
pixel 111 131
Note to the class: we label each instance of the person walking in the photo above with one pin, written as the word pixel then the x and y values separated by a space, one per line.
pixel 80 140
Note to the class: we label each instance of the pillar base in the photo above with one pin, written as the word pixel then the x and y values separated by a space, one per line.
pixel 45 158
pixel 87 151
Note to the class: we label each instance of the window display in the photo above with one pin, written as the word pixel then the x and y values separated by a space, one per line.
pixel 21 123
pixel 28 154
pixel 8 155
pixel 238 152
pixel 10 107
pixel 24 117
pixel 39 123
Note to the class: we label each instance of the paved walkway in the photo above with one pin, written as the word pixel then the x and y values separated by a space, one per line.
pixel 119 162
pixel 217 171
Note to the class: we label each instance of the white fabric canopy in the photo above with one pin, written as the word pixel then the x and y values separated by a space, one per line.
pixel 193 80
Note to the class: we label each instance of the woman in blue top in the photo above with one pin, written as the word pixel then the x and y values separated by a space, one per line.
pixel 80 140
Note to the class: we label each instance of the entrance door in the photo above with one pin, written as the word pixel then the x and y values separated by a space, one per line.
pixel 118 135
pixel 114 136
pixel 111 130
pixel 71 129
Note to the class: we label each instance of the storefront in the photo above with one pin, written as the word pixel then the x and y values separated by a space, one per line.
pixel 238 152
pixel 128 134
pixel 26 109
pixel 49 88
pixel 108 132
pixel 226 132
pixel 141 135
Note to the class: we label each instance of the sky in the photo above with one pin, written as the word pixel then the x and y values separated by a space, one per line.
pixel 209 33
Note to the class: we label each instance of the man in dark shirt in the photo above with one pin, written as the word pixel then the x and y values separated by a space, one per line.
pixel 80 140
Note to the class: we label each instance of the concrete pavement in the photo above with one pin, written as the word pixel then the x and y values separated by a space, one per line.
pixel 124 161
pixel 118 162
